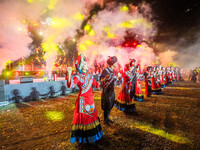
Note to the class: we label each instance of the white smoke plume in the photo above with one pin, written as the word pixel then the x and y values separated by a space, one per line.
pixel 181 52
pixel 167 57
pixel 65 18
pixel 189 55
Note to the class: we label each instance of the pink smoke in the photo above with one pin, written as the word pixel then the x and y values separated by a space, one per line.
pixel 13 36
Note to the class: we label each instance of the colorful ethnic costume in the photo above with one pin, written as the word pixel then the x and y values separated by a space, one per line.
pixel 138 88
pixel 173 76
pixel 155 84
pixel 124 101
pixel 162 82
pixel 148 84
pixel 164 75
pixel 180 75
pixel 169 77
pixel 86 127
pixel 132 91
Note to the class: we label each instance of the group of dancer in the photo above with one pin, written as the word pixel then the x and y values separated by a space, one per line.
pixel 86 127
pixel 155 78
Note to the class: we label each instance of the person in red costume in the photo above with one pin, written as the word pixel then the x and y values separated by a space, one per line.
pixel 164 75
pixel 180 74
pixel 124 101
pixel 156 89
pixel 86 127
pixel 173 73
pixel 138 88
pixel 169 76
pixel 148 84
pixel 160 73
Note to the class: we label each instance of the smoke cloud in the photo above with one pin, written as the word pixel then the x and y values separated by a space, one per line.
pixel 55 20
pixel 183 52
pixel 106 31
pixel 13 35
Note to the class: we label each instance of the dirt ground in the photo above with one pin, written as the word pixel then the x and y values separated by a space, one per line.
pixel 167 121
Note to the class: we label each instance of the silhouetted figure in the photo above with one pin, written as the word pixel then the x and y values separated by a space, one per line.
pixel 34 94
pixel 17 98
pixel 51 92
pixel 194 75
pixel 63 88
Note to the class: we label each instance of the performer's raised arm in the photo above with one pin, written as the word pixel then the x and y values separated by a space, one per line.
pixel 71 82
pixel 69 76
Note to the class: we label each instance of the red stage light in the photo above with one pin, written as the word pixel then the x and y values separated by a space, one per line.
pixel 130 43
pixel 134 44
pixel 127 44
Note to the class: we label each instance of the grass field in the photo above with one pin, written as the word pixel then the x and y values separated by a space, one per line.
pixel 167 121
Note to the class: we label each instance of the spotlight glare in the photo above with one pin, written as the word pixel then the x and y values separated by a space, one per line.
pixel 41 33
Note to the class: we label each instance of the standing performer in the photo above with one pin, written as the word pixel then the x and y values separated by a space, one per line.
pixel 194 75
pixel 173 74
pixel 169 76
pixel 86 126
pixel 180 74
pixel 124 101
pixel 198 77
pixel 132 91
pixel 176 74
pixel 164 75
pixel 148 85
pixel 138 88
pixel 108 79
pixel 161 78
pixel 190 74
pixel 156 89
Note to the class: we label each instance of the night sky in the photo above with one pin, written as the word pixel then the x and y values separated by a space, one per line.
pixel 175 16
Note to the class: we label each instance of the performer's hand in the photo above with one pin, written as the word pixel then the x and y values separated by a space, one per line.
pixel 107 77
pixel 69 70
pixel 69 73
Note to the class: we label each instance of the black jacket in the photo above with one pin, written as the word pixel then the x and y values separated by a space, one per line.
pixel 108 94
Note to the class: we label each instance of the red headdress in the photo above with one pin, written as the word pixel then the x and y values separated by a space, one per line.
pixel 78 62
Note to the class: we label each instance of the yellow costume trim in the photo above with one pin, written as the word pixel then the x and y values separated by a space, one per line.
pixel 156 89
pixel 86 127
pixel 139 95
pixel 124 102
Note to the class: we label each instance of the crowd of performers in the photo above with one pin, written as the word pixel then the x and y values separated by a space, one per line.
pixel 86 127
pixel 194 75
